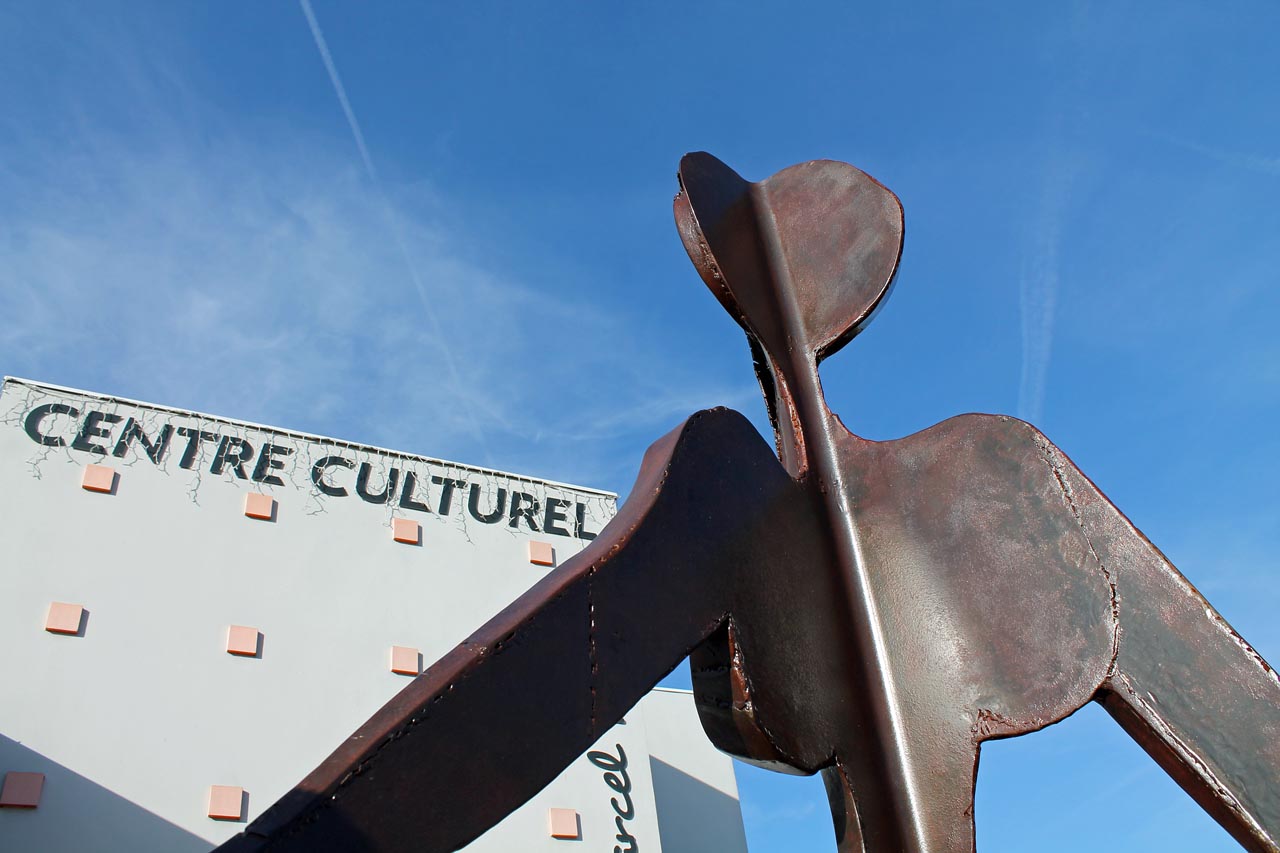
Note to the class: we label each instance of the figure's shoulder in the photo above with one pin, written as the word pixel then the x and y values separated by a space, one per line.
pixel 973 429
pixel 965 445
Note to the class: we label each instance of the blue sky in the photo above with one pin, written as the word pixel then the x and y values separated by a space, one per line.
pixel 487 271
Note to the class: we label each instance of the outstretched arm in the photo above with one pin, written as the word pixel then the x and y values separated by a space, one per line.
pixel 552 672
pixel 1189 689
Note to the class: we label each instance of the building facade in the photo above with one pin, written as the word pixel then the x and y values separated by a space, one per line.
pixel 195 611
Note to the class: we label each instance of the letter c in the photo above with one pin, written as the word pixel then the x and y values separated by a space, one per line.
pixel 317 475
pixel 38 414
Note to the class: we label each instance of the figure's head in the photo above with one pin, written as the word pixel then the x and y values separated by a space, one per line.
pixel 827 233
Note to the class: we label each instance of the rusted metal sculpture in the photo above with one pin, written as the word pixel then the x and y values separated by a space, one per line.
pixel 869 610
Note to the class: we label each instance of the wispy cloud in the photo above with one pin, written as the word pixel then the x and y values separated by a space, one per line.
pixel 1260 163
pixel 259 282
pixel 253 270
pixel 397 230
pixel 1038 296
pixel 1074 53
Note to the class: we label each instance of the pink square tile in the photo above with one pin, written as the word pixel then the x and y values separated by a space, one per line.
pixel 260 506
pixel 405 530
pixel 21 790
pixel 242 641
pixel 542 554
pixel 64 618
pixel 404 660
pixel 98 478
pixel 563 823
pixel 225 801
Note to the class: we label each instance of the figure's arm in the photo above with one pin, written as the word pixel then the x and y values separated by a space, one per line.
pixel 1189 689
pixel 546 677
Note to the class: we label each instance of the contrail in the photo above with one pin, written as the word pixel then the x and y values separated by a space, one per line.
pixel 1253 162
pixel 1071 51
pixel 341 90
pixel 394 221
pixel 1038 293
pixel 1038 288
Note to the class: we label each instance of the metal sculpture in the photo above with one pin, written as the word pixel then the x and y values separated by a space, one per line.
pixel 869 610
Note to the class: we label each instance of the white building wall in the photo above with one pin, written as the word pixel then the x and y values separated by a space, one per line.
pixel 133 720
pixel 694 787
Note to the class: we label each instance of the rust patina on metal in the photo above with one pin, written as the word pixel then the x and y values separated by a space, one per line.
pixel 869 610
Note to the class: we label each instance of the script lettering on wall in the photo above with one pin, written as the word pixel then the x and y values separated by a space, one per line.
pixel 617 778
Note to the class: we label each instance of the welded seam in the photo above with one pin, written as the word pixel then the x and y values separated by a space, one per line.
pixel 748 696
pixel 852 803
pixel 1068 494
pixel 784 303
pixel 591 645
pixel 828 477
pixel 317 810
pixel 1170 737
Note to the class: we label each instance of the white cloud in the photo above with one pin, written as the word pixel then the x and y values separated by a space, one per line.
pixel 262 283
pixel 152 248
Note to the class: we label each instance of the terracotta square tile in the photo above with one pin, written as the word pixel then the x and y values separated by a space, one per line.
pixel 64 618
pixel 260 506
pixel 542 554
pixel 242 641
pixel 404 660
pixel 406 530
pixel 98 478
pixel 563 823
pixel 225 802
pixel 21 790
